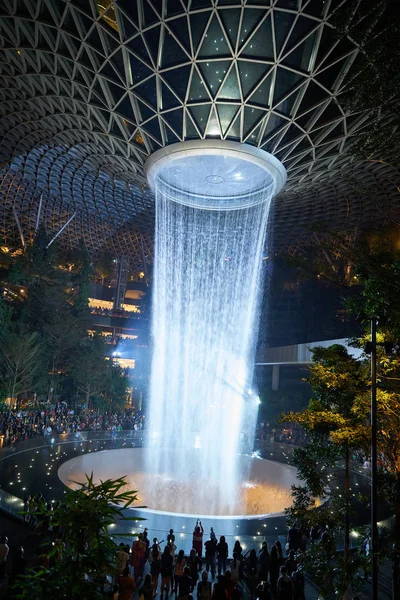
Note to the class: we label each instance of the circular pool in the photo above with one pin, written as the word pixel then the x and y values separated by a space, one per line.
pixel 264 490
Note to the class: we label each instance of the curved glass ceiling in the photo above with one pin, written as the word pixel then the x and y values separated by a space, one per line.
pixel 90 88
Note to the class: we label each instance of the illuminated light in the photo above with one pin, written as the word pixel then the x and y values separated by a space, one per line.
pixel 354 533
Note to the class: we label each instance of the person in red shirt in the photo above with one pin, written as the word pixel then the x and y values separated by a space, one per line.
pixel 198 538
pixel 127 585
pixel 139 548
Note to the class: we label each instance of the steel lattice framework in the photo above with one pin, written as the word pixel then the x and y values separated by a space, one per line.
pixel 90 88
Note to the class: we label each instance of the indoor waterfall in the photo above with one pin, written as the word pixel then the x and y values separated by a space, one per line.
pixel 206 296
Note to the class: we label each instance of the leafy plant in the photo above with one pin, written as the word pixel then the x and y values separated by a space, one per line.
pixel 76 564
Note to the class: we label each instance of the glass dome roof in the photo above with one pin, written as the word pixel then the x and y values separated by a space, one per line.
pixel 89 89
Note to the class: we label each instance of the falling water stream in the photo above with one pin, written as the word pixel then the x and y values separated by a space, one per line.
pixel 206 301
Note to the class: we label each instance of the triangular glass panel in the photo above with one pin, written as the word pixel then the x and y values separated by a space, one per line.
pixel 116 91
pixel 169 100
pixel 180 28
pixel 301 56
pixel 153 128
pixel 114 129
pixel 198 21
pixel 230 89
pixel 69 24
pixel 138 140
pixel 23 10
pixel 213 73
pixel 275 124
pixel 315 8
pixel 227 113
pixel 313 96
pixel 283 21
pixel 178 80
pixel 323 135
pixel 251 117
pixel 158 6
pixel 198 88
pixel 329 76
pixel 174 7
pixel 108 71
pixel 191 131
pixel 152 38
pixel 213 129
pixel 98 90
pixel 129 8
pixel 175 119
pixel 250 74
pixel 285 82
pixel 286 105
pixel 109 41
pixel 94 40
pixel 126 126
pixel 200 4
pixel 234 129
pixel 252 139
pixel 303 27
pixel 95 58
pixel 82 93
pixel 327 40
pixel 291 134
pixel 261 92
pixel 150 16
pixel 145 111
pixel 128 27
pixel 200 116
pixel 251 18
pixel 304 146
pixel 214 43
pixel 83 76
pixel 171 136
pixel 71 44
pixel 354 121
pixel 231 21
pixel 260 45
pixel 46 39
pixel 124 108
pixel 331 113
pixel 172 52
pixel 147 90
pixel 137 45
pixel 138 69
pixel 117 62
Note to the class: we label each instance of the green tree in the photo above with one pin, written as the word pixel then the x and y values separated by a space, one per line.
pixel 89 551
pixel 371 288
pixel 90 371
pixel 104 266
pixel 21 360
pixel 334 428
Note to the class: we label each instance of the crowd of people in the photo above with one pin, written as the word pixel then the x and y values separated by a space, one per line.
pixel 111 312
pixel 292 434
pixel 23 425
pixel 208 571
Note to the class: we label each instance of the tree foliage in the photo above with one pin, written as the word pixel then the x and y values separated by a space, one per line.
pixel 21 360
pixel 76 566
pixel 100 383
pixel 46 300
